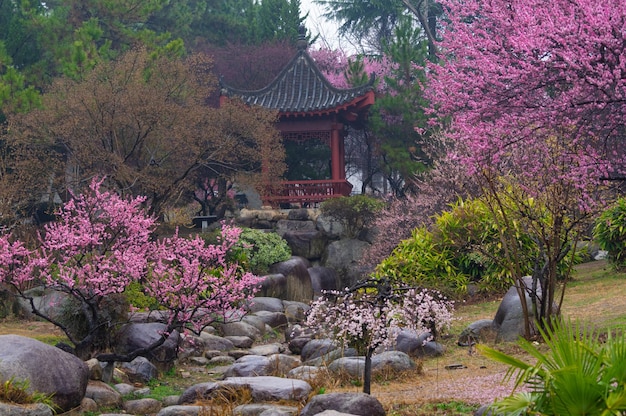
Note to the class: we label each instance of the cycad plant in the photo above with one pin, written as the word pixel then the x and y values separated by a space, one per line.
pixel 581 374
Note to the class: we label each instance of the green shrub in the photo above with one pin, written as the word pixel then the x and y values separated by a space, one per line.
pixel 610 233
pixel 422 261
pixel 135 296
pixel 462 247
pixel 356 211
pixel 259 249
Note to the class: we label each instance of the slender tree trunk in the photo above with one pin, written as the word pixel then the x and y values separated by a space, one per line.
pixel 367 371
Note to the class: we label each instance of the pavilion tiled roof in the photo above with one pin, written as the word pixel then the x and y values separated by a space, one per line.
pixel 300 88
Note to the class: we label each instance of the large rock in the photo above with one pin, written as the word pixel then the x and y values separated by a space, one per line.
pixel 273 286
pixel 262 389
pixel 323 279
pixel 333 228
pixel 296 271
pixel 478 331
pixel 264 303
pixel 140 370
pixel 268 388
pixel 103 394
pixel 249 366
pixel 36 409
pixel 509 319
pixel 47 369
pixel 343 256
pixel 135 336
pixel 418 345
pixel 309 244
pixel 316 348
pixel 360 404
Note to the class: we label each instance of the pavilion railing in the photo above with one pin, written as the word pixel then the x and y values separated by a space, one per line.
pixel 309 192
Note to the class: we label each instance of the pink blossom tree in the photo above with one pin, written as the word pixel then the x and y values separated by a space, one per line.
pixel 370 315
pixel 532 93
pixel 100 245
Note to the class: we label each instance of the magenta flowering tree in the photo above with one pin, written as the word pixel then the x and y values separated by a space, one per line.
pixel 99 246
pixel 370 314
pixel 532 93
pixel 196 283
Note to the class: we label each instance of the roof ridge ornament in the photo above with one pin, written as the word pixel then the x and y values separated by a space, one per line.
pixel 302 43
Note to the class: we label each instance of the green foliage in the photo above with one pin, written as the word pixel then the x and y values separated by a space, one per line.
pixel 16 391
pixel 454 253
pixel 581 374
pixel 610 233
pixel 136 296
pixel 261 249
pixel 424 262
pixel 463 246
pixel 397 112
pixel 356 211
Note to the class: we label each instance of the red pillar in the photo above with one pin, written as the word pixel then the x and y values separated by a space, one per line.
pixel 337 153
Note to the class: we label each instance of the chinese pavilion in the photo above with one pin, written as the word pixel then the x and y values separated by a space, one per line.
pixel 312 117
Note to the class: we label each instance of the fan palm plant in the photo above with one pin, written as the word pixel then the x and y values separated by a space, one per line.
pixel 581 374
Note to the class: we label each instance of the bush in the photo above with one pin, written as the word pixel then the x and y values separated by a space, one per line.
pixel 261 249
pixel 463 246
pixel 610 233
pixel 356 211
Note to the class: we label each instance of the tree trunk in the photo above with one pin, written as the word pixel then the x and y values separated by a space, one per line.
pixel 367 371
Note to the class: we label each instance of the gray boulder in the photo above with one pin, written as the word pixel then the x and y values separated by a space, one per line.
pixel 103 394
pixel 262 389
pixel 273 319
pixel 323 279
pixel 261 409
pixel 182 411
pixel 140 370
pixel 135 336
pixel 249 366
pixel 267 349
pixel 215 343
pixel 268 388
pixel 144 406
pixel 392 360
pixel 296 271
pixel 348 366
pixel 47 369
pixel 241 342
pixel 343 256
pixel 387 361
pixel 308 373
pixel 309 244
pixel 478 331
pixel 316 348
pixel 263 303
pixel 36 409
pixel 509 319
pixel 418 345
pixel 333 228
pixel 240 329
pixel 273 286
pixel 360 404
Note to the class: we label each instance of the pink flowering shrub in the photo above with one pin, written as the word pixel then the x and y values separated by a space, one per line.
pixel 100 247
pixel 371 314
pixel 195 282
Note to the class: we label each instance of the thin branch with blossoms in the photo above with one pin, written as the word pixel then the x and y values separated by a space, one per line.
pixel 370 314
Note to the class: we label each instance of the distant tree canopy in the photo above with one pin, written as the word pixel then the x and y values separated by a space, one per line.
pixel 142 121
pixel 372 23
pixel 116 87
